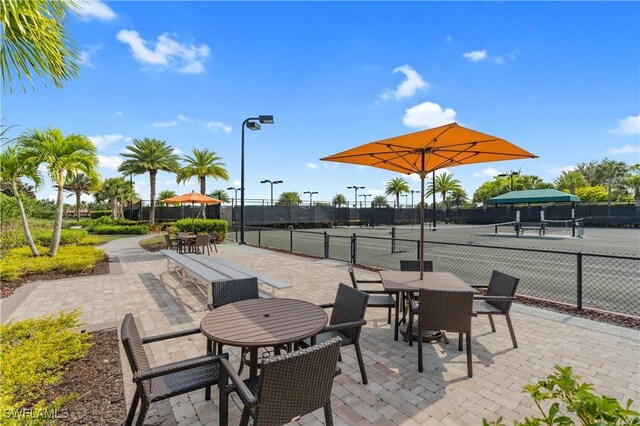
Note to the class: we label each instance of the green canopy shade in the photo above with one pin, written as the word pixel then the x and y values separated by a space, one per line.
pixel 534 196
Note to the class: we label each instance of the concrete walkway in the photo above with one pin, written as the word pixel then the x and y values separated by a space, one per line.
pixel 605 355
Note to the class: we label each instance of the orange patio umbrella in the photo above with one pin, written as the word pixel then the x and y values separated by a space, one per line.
pixel 429 150
pixel 193 198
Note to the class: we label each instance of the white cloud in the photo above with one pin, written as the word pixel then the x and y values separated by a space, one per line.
pixel 475 55
pixel 109 161
pixel 488 172
pixel 177 151
pixel 103 141
pixel 237 183
pixel 625 149
pixel 169 123
pixel 414 177
pixel 117 114
pixel 628 126
pixel 559 170
pixel 95 9
pixel 217 126
pixel 87 54
pixel 167 52
pixel 312 166
pixel 409 86
pixel 184 118
pixel 448 39
pixel 427 115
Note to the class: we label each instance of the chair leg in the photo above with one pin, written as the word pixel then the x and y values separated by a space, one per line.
pixel 469 364
pixel 244 421
pixel 493 326
pixel 132 409
pixel 395 332
pixel 410 327
pixel 363 373
pixel 513 334
pixel 207 393
pixel 420 351
pixel 444 337
pixel 460 341
pixel 215 247
pixel 144 407
pixel 328 415
pixel 389 317
pixel 223 408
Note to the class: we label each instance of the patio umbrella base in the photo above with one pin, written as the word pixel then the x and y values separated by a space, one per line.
pixel 427 337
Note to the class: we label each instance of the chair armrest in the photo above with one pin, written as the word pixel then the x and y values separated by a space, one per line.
pixel 344 326
pixel 495 298
pixel 376 292
pixel 176 367
pixel 413 304
pixel 238 385
pixel 479 286
pixel 160 337
pixel 369 281
pixel 327 305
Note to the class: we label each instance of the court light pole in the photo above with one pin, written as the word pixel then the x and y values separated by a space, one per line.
pixel 355 199
pixel 365 198
pixel 405 200
pixel 251 124
pixel 275 182
pixel 413 192
pixel 310 196
pixel 511 175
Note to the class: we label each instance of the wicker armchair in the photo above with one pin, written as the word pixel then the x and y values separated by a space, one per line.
pixel 377 298
pixel 213 239
pixel 412 266
pixel 500 294
pixel 201 243
pixel 162 382
pixel 288 387
pixel 445 310
pixel 347 319
pixel 172 243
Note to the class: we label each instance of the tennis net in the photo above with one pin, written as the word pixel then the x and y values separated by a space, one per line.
pixel 457 233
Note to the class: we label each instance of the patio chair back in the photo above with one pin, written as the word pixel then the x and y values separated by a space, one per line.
pixel 445 310
pixel 502 285
pixel 296 383
pixel 202 243
pixel 134 348
pixel 230 291
pixel 414 265
pixel 350 305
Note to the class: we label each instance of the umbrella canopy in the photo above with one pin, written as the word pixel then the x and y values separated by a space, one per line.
pixel 429 150
pixel 192 197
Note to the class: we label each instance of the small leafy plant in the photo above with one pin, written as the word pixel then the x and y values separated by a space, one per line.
pixel 580 403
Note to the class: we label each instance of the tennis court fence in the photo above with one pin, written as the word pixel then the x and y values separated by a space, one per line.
pixel 599 281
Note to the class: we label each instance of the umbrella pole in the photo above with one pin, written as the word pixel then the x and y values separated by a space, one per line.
pixel 422 173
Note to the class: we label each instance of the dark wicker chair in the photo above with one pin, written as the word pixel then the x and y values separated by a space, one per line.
pixel 162 382
pixel 288 387
pixel 347 319
pixel 172 243
pixel 213 239
pixel 445 310
pixel 377 298
pixel 500 294
pixel 414 265
pixel 201 243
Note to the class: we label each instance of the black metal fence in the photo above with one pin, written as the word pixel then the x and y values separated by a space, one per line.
pixel 607 282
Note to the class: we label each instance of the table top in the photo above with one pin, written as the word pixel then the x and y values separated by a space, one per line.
pixel 410 281
pixel 263 322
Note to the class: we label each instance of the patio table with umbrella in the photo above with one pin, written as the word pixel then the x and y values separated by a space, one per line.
pixel 193 198
pixel 429 150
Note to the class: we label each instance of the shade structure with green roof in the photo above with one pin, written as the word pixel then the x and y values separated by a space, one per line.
pixel 534 196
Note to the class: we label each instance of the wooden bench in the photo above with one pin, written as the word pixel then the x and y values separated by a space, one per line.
pixel 195 270
pixel 521 227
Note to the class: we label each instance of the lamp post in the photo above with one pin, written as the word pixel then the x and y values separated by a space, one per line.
pixel 511 175
pixel 251 125
pixel 234 200
pixel 131 197
pixel 405 200
pixel 310 196
pixel 365 198
pixel 355 199
pixel 275 182
pixel 413 192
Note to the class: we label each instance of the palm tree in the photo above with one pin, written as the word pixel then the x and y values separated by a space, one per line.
pixel 221 195
pixel 78 184
pixel 116 191
pixel 12 168
pixel 458 196
pixel 444 183
pixel 35 42
pixel 397 186
pixel 202 164
pixel 570 180
pixel 149 155
pixel 167 193
pixel 610 172
pixel 379 201
pixel 339 200
pixel 526 182
pixel 289 199
pixel 63 157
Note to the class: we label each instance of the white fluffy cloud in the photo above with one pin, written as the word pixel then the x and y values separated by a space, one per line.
pixel 169 123
pixel 312 166
pixel 628 126
pixel 217 126
pixel 475 55
pixel 427 115
pixel 488 172
pixel 95 9
pixel 166 53
pixel 237 183
pixel 482 55
pixel 109 161
pixel 625 149
pixel 412 83
pixel 88 53
pixel 103 141
pixel 117 114
pixel 177 151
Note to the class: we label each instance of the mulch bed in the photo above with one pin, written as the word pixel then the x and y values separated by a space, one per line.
pixel 97 379
pixel 8 288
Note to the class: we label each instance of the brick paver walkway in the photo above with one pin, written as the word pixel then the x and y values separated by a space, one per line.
pixel 604 355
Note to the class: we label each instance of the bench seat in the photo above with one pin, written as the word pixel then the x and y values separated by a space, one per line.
pixel 195 270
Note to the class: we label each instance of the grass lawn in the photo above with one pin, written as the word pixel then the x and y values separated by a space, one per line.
pixel 153 243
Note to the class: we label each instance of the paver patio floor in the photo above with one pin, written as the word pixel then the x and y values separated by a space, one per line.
pixel 605 355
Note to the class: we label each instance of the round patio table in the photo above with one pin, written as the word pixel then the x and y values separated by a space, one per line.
pixel 258 323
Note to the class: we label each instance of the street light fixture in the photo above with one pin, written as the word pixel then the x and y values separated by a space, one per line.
pixel 405 200
pixel 511 174
pixel 251 125
pixel 355 188
pixel 365 198
pixel 413 192
pixel 234 200
pixel 310 196
pixel 275 182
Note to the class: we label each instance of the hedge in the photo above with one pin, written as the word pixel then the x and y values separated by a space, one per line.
pixel 14 237
pixel 99 213
pixel 203 225
pixel 121 229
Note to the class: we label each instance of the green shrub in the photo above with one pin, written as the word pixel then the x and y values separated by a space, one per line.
pixel 67 236
pixel 203 226
pixel 119 229
pixel 13 236
pixel 71 259
pixel 33 355
pixel 99 213
pixel 90 241
pixel 579 400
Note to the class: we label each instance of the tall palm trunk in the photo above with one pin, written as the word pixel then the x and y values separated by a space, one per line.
pixel 57 225
pixel 152 184
pixel 397 200
pixel 23 218
pixel 114 208
pixel 203 191
pixel 78 195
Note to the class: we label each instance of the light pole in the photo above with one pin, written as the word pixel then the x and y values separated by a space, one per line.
pixel 355 199
pixel 405 200
pixel 275 182
pixel 511 175
pixel 131 197
pixel 310 196
pixel 234 200
pixel 413 192
pixel 365 198
pixel 251 125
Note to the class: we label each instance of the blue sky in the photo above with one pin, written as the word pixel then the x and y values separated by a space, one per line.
pixel 561 80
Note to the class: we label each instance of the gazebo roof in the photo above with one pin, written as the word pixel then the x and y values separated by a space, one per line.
pixel 534 196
